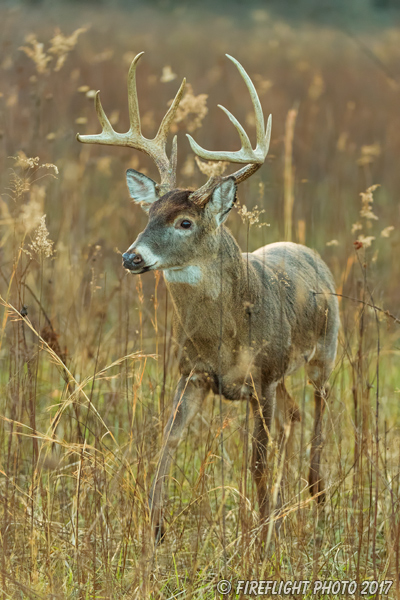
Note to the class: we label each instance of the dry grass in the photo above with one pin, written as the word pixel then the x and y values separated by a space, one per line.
pixel 87 366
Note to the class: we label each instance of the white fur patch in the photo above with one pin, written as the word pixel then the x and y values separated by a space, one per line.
pixel 191 275
pixel 148 256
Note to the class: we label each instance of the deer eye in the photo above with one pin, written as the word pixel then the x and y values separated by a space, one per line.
pixel 185 224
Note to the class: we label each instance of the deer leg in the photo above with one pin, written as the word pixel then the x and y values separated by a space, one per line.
pixel 263 410
pixel 315 481
pixel 288 413
pixel 188 398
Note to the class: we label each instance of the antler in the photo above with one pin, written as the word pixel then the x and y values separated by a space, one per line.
pixel 133 138
pixel 246 154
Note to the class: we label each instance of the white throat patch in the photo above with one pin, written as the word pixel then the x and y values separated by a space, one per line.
pixel 190 275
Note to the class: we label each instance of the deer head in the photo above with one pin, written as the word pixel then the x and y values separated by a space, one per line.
pixel 182 223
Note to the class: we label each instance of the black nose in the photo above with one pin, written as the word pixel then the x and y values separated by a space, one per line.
pixel 130 261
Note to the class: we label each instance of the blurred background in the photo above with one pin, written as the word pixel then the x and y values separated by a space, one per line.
pixel 82 412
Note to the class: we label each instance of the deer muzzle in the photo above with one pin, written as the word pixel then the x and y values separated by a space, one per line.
pixel 132 261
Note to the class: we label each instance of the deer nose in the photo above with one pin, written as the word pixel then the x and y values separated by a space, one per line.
pixel 131 260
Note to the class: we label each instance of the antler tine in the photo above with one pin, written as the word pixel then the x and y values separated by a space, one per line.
pixel 164 128
pixel 241 155
pixel 155 148
pixel 133 105
pixel 246 153
pixel 108 135
pixel 262 142
pixel 104 122
pixel 255 157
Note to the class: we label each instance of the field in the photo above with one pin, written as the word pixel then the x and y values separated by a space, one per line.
pixel 87 362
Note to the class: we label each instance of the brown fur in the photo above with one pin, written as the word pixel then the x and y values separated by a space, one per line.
pixel 173 205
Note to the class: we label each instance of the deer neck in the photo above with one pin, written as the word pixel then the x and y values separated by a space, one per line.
pixel 209 299
pixel 202 278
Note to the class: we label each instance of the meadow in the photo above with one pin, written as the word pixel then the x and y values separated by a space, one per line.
pixel 87 363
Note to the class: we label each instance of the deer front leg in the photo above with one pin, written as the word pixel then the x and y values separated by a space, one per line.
pixel 288 413
pixel 188 398
pixel 263 411
pixel 315 481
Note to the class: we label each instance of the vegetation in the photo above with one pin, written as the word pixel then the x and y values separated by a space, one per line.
pixel 87 368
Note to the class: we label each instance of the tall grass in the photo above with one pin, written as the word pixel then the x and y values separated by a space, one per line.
pixel 87 367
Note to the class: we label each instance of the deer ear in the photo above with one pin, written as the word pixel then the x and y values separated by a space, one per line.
pixel 141 188
pixel 222 200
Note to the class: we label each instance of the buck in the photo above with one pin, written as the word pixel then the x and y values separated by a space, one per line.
pixel 242 322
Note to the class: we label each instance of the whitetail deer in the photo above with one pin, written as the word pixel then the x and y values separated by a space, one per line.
pixel 242 322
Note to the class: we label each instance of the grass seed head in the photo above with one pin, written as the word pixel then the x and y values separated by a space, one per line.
pixel 35 51
pixel 191 111
pixel 41 244
pixel 251 217
pixel 211 169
